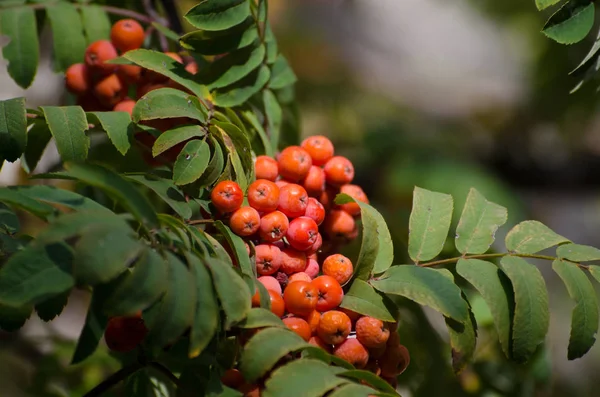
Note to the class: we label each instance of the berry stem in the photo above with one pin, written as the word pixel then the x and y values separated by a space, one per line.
pixel 497 255
pixel 115 378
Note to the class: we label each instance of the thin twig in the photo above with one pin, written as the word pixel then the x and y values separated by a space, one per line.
pixel 115 378
pixel 165 371
pixel 497 255
pixel 109 9
pixel 155 16
pixel 200 221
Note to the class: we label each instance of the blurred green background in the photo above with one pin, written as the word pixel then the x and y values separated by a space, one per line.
pixel 446 95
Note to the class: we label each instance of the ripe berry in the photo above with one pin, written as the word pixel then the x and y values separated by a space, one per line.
pixel 319 147
pixel 316 341
pixel 109 91
pixel 299 326
pixel 263 195
pixel 315 210
pixel 327 196
pixel 273 226
pixel 292 261
pixel 293 200
pixel 356 193
pixel 268 259
pixel 330 293
pixel 124 333
pixel 127 34
pixel 339 223
pixel 227 196
pixel 98 53
pixel 270 283
pixel 245 221
pixel 339 171
pixel 294 163
pixel 352 351
pixel 300 276
pixel 300 298
pixel 77 79
pixel 266 167
pixel 277 303
pixel 334 327
pixel 125 105
pixel 192 68
pixel 232 378
pixel 313 320
pixel 339 267
pixel 314 183
pixel 316 245
pixel 129 74
pixel 312 268
pixel 371 332
pixel 302 233
pixel 146 88
pixel 281 183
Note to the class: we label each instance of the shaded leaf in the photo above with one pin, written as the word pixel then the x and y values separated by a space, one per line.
pixel 96 23
pixel 266 142
pixel 578 253
pixel 68 125
pixel 76 223
pixel 274 116
pixel 585 317
pixel 22 52
pixel 166 103
pixel 215 165
pixel 221 42
pixel 218 14
pixel 237 245
pixel 242 147
pixel 571 23
pixel 191 162
pixel 306 377
pixel 232 67
pixel 13 128
pixel 426 287
pixel 282 74
pixel 239 92
pixel 363 299
pixel 542 4
pixel 13 197
pixel 67 34
pixel 428 224
pixel 234 170
pixel 166 190
pixel 54 195
pixel 463 339
pixel 352 390
pixel 13 318
pixel 233 292
pixel 52 307
pixel 531 317
pixel 259 318
pixel 529 237
pixel 368 377
pixel 37 139
pixel 9 221
pixel 118 127
pixel 93 328
pixel 175 136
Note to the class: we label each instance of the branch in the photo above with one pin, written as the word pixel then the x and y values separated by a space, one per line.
pixel 498 255
pixel 165 371
pixel 109 9
pixel 115 378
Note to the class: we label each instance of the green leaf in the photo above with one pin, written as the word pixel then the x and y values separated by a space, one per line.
pixel 37 139
pixel 54 195
pixel 578 253
pixel 140 288
pixel 363 299
pixel 218 14
pixel 282 74
pixel 233 292
pixel 463 339
pixel 22 52
pixel 530 237
pixel 53 307
pixel 13 318
pixel 68 125
pixel 478 223
pixel 595 272
pixel 531 318
pixel 242 147
pixel 36 274
pixel 118 188
pixel 426 287
pixel 543 4
pixel 12 196
pixel 93 329
pixel 352 390
pixel 274 117
pixel 234 161
pixel 495 290
pixel 103 253
pixel 584 321
pixel 221 42
pixel 271 44
pixel 306 377
pixel 232 67
pixel 166 190
pixel 96 23
pixel 370 378
pixel 166 103
pixel 76 223
pixel 265 349
pixel 9 221
pixel 571 23
pixel 428 224
pixel 167 66
pixel 175 136
pixel 259 317
pixel 237 245
pixel 166 31
pixel 191 162
pixel 241 91
pixel 13 128
pixel 206 319
pixel 118 127
pixel 266 142
pixel 215 166
pixel 176 311
pixel 67 34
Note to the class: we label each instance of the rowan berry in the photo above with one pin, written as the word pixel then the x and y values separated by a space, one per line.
pixel 300 276
pixel 129 74
pixel 265 167
pixel 299 326
pixel 126 105
pixel 293 200
pixel 339 267
pixel 127 35
pixel 125 333
pixel 273 226
pixel 339 171
pixel 352 351
pixel 109 91
pixel 294 163
pixel 232 378
pixel 372 332
pixel 143 89
pixel 98 53
pixel 315 210
pixel 277 303
pixel 334 327
pixel 292 261
pixel 314 182
pixel 192 68
pixel 339 223
pixel 227 196
pixel 300 298
pixel 263 195
pixel 312 268
pixel 281 183
pixel 270 283
pixel 319 147
pixel 394 361
pixel 316 341
pixel 313 320
pixel 245 221
pixel 77 79
pixel 316 245
pixel 302 233
pixel 356 193
pixel 330 293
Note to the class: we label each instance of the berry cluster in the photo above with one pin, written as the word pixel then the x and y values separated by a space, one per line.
pixel 289 216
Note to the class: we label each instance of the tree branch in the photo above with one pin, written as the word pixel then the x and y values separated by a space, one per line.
pixel 165 371
pixel 109 9
pixel 497 255
pixel 115 378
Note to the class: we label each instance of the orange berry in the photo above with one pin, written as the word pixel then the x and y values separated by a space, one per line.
pixel 339 171
pixel 273 226
pixel 353 316
pixel 270 283
pixel 394 361
pixel 98 53
pixel 339 223
pixel 192 67
pixel 300 298
pixel 175 56
pixel 293 200
pixel 339 267
pixel 125 105
pixel 316 341
pixel 334 327
pixel 314 183
pixel 268 259
pixel 299 326
pixel 109 91
pixel 319 147
pixel 330 293
pixel 146 88
pixel 129 74
pixel 294 163
pixel 281 183
pixel 371 332
pixel 263 195
pixel 277 303
pixel 292 261
pixel 300 276
pixel 312 268
pixel 313 320
pixel 127 34
pixel 315 210
pixel 245 221
pixel 77 79
pixel 352 351
pixel 125 333
pixel 266 167
pixel 302 233
pixel 356 193
pixel 232 378
pixel 227 196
